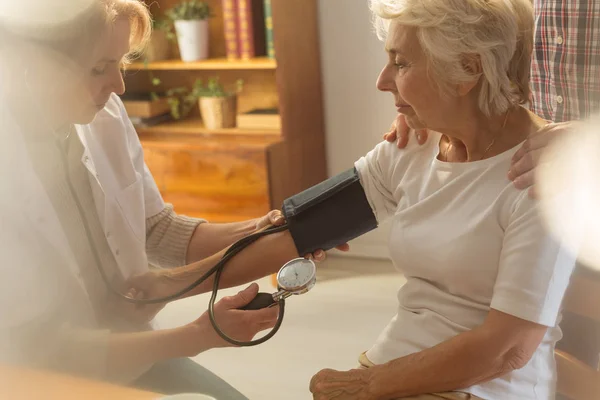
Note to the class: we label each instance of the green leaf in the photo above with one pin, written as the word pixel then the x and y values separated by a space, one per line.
pixel 190 10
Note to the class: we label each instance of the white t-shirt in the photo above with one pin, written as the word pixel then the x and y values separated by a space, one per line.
pixel 467 241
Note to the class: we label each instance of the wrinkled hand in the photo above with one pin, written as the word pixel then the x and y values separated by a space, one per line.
pixel 329 384
pixel 527 158
pixel 400 130
pixel 235 323
pixel 275 218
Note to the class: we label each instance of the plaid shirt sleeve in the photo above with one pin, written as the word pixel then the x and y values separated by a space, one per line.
pixel 565 72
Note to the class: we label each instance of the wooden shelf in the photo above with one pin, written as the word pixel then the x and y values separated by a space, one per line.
pixel 259 63
pixel 194 127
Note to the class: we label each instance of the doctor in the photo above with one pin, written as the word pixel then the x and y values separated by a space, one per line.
pixel 77 198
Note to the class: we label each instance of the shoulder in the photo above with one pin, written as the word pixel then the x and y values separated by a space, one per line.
pixel 390 153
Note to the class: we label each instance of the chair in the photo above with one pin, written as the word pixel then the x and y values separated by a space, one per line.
pixel 576 379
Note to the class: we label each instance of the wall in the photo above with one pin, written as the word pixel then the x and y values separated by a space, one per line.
pixel 356 113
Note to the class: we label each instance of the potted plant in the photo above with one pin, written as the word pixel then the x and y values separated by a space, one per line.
pixel 218 107
pixel 158 46
pixel 181 101
pixel 191 26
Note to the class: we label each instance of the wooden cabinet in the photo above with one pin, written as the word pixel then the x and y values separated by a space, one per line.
pixel 236 174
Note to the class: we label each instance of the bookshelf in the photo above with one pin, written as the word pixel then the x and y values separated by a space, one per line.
pixel 227 175
pixel 193 127
pixel 262 63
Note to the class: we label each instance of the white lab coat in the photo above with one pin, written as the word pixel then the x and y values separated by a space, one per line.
pixel 41 289
pixel 124 191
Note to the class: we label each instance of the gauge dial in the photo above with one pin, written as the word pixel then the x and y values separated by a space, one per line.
pixel 297 275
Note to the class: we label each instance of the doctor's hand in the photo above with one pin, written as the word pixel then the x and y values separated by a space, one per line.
pixel 401 132
pixel 275 218
pixel 527 158
pixel 117 307
pixel 238 324
pixel 153 284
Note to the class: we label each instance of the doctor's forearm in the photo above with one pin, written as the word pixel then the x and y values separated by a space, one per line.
pixel 129 352
pixel 209 238
pixel 121 357
pixel 261 258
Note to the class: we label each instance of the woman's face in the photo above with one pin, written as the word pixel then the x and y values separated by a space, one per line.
pixel 406 77
pixel 102 74
pixel 74 91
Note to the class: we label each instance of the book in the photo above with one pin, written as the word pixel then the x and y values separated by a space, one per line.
pixel 260 118
pixel 140 122
pixel 231 29
pixel 142 105
pixel 269 44
pixel 251 23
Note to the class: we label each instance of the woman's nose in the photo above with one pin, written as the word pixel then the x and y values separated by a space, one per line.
pixel 119 85
pixel 385 81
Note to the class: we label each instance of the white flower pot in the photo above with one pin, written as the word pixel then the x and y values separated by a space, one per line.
pixel 192 37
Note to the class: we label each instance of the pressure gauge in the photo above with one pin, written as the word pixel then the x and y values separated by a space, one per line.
pixel 297 276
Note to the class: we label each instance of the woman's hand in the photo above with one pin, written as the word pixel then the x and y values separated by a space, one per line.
pixel 275 218
pixel 235 323
pixel 527 158
pixel 400 131
pixel 348 385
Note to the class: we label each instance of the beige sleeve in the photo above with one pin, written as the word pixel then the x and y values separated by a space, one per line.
pixel 168 236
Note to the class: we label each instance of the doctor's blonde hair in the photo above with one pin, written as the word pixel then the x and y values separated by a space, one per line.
pixel 75 29
pixel 497 33
pixel 139 18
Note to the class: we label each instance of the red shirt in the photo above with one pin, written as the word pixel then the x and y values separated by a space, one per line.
pixel 565 73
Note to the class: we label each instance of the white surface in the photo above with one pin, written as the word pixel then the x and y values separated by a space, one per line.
pixel 327 327
pixel 356 113
pixel 192 37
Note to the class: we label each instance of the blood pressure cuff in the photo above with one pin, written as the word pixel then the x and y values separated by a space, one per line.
pixel 329 214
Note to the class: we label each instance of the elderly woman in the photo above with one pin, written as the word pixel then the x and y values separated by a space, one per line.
pixel 78 202
pixel 477 317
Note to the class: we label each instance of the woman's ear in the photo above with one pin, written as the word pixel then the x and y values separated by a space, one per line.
pixel 471 63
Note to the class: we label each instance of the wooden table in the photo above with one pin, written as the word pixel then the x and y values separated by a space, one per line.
pixel 17 384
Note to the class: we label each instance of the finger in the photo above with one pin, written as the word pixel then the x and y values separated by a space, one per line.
pixel 139 295
pixel 532 192
pixel 422 136
pixel 242 298
pixel 528 162
pixel 524 149
pixel 266 325
pixel 319 255
pixel 309 257
pixel 263 316
pixel 276 217
pixel 402 131
pixel 139 280
pixel 534 142
pixel 524 181
pixel 390 137
pixel 343 247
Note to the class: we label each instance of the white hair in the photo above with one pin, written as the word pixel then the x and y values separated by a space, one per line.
pixel 499 33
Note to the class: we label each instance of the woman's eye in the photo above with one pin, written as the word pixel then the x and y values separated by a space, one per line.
pixel 98 71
